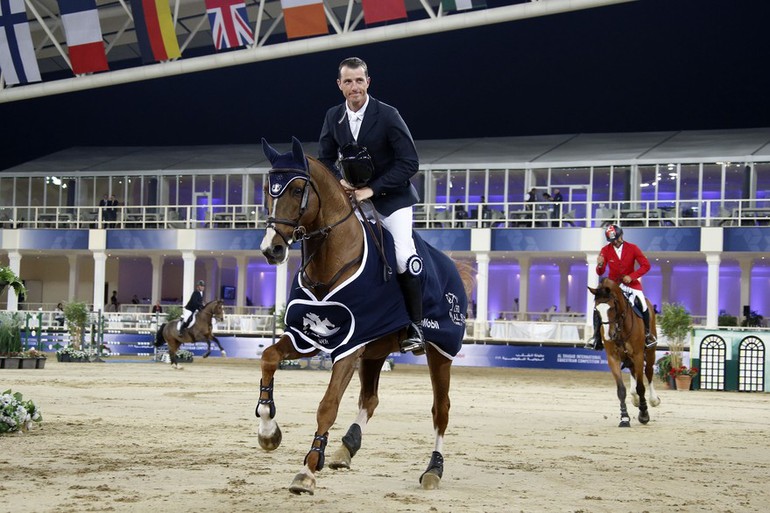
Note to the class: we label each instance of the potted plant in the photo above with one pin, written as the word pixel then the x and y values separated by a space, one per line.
pixel 10 340
pixel 663 367
pixel 683 376
pixel 16 414
pixel 173 313
pixel 8 277
pixel 675 323
pixel 184 356
pixel 76 315
pixel 70 354
pixel 726 320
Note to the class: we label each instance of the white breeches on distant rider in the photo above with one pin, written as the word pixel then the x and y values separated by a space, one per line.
pixel 632 294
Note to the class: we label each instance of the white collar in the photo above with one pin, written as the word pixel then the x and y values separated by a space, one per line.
pixel 359 113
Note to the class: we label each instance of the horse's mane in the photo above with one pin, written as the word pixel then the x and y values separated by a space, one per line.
pixel 606 288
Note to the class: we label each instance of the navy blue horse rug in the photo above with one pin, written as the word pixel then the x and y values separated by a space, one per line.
pixel 367 306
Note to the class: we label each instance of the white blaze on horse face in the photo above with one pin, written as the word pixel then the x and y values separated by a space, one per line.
pixel 270 235
pixel 603 309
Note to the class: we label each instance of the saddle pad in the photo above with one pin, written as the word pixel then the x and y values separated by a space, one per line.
pixel 367 306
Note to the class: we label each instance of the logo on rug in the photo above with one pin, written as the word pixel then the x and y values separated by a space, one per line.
pixel 313 325
pixel 455 315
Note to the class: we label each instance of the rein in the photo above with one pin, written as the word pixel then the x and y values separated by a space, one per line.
pixel 301 234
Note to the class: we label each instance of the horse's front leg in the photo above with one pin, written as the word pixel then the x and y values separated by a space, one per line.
pixel 614 364
pixel 269 434
pixel 342 372
pixel 440 368
pixel 221 349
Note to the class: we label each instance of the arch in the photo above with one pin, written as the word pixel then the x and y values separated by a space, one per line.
pixel 751 365
pixel 713 356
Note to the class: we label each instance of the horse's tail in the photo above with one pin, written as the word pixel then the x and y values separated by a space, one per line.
pixel 467 276
pixel 159 340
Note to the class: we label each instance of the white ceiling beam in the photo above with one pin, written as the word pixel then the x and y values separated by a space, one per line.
pixel 304 46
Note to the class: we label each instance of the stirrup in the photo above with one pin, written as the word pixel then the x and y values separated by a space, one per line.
pixel 415 343
pixel 650 340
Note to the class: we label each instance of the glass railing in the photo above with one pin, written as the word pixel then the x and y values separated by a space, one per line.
pixel 426 215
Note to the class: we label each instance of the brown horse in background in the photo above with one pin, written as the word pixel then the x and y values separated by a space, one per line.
pixel 199 331
pixel 624 342
pixel 312 208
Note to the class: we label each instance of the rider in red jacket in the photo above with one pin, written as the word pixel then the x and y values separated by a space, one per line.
pixel 622 257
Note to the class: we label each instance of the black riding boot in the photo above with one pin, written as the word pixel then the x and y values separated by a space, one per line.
pixel 412 291
pixel 596 342
pixel 184 326
pixel 650 339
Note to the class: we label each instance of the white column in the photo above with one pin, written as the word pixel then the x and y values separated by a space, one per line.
pixel 74 279
pixel 188 282
pixel 524 265
pixel 482 295
pixel 157 277
pixel 242 263
pixel 563 286
pixel 665 288
pixel 593 281
pixel 14 262
pixel 100 273
pixel 746 266
pixel 281 285
pixel 712 298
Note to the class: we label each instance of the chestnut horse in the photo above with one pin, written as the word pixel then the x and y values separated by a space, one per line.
pixel 199 331
pixel 306 204
pixel 624 342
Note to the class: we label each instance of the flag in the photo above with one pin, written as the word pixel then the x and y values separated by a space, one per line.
pixel 84 35
pixel 154 30
pixel 383 10
pixel 304 18
pixel 229 23
pixel 17 55
pixel 463 5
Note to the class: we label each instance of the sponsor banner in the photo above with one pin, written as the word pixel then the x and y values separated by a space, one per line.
pixel 530 357
pixel 53 239
pixel 447 240
pixel 747 239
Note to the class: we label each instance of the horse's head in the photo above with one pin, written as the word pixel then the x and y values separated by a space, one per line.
pixel 217 310
pixel 610 303
pixel 290 205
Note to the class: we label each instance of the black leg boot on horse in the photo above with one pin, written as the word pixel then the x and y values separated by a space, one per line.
pixel 650 339
pixel 412 290
pixel 596 343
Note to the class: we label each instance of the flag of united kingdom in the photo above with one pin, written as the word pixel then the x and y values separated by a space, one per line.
pixel 229 23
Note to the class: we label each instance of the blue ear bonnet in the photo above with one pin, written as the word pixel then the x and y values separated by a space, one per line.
pixel 286 166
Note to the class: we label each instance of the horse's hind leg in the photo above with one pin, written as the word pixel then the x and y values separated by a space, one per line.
pixel 644 415
pixel 342 372
pixel 269 434
pixel 440 368
pixel 369 376
pixel 649 370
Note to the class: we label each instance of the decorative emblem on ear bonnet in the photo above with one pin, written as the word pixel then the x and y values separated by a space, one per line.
pixel 286 166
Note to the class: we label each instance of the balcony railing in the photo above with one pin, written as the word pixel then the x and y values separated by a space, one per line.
pixel 426 215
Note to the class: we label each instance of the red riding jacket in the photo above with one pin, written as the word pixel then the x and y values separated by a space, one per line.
pixel 624 265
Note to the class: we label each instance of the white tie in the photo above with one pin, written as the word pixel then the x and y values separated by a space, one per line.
pixel 355 126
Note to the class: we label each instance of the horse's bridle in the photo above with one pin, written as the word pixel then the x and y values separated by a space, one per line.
pixel 300 233
pixel 620 318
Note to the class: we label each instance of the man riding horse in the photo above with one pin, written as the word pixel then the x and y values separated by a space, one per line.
pixel 380 174
pixel 193 305
pixel 622 257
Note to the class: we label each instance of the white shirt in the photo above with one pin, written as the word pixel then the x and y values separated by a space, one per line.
pixel 356 118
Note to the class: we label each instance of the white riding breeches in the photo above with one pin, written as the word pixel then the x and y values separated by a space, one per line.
pixel 632 294
pixel 399 224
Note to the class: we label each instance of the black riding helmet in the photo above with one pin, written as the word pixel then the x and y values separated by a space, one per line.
pixel 356 163
pixel 612 232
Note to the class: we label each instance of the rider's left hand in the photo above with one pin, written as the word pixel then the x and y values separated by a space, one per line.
pixel 626 279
